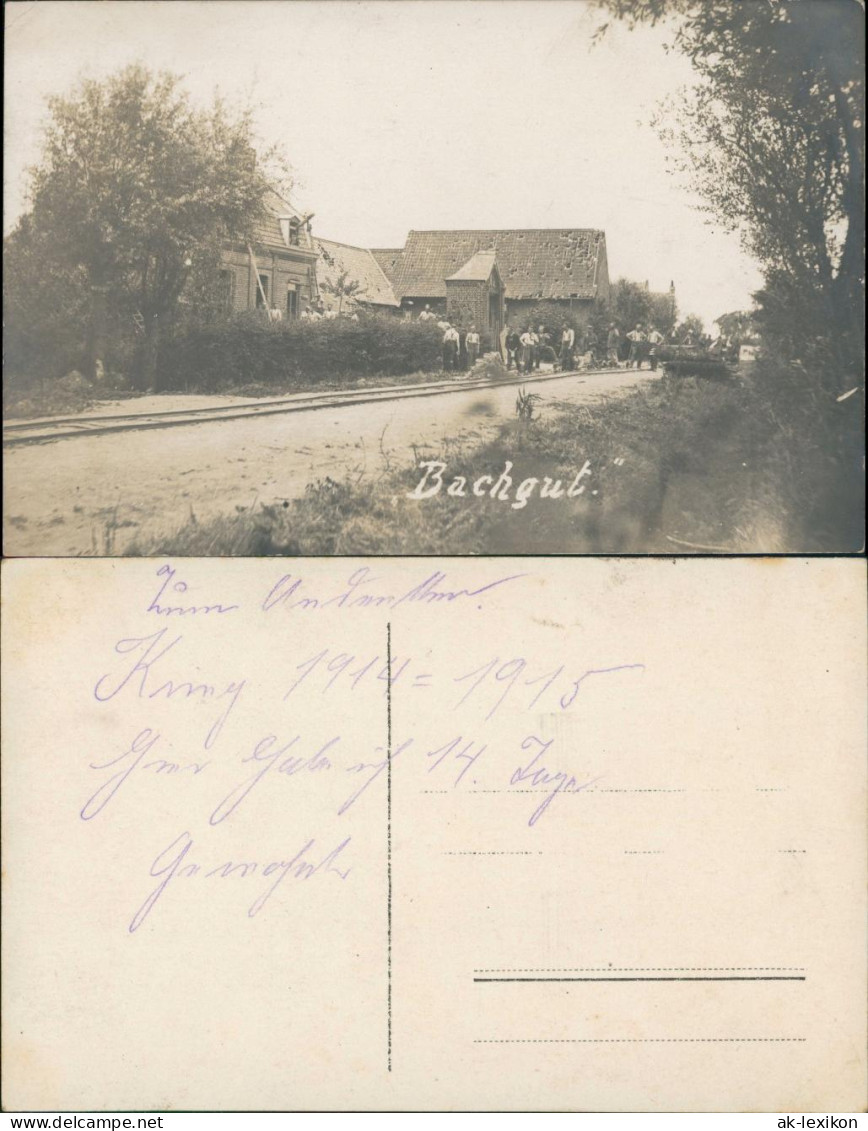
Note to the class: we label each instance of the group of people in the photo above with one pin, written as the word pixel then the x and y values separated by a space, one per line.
pixel 644 342
pixel 566 348
pixel 460 347
pixel 524 349
pixel 571 349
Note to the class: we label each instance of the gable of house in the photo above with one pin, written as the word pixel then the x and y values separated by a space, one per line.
pixel 541 263
pixel 283 227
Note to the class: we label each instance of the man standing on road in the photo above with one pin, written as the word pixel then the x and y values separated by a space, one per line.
pixel 613 344
pixel 534 348
pixel 637 346
pixel 655 341
pixel 526 342
pixel 472 346
pixel 450 348
pixel 513 345
pixel 591 345
pixel 568 341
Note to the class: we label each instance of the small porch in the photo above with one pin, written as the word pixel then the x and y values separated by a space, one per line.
pixel 476 296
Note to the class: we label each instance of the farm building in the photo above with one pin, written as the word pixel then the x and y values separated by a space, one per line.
pixel 482 277
pixel 565 266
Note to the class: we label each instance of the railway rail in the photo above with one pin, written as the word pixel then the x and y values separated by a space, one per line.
pixel 53 429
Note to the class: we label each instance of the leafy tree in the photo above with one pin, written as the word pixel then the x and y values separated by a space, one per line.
pixel 553 315
pixel 664 312
pixel 630 303
pixel 693 325
pixel 138 189
pixel 737 324
pixel 343 287
pixel 772 134
pixel 45 304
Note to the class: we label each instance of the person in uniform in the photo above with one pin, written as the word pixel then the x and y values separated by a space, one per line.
pixel 613 344
pixel 472 346
pixel 513 346
pixel 655 341
pixel 450 348
pixel 568 342
pixel 637 346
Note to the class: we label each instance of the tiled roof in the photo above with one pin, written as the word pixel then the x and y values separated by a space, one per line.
pixel 269 233
pixel 533 263
pixel 479 266
pixel 389 258
pixel 360 266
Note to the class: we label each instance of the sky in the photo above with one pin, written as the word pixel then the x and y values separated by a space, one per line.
pixel 417 114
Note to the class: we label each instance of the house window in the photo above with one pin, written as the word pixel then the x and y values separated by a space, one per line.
pixel 262 292
pixel 290 227
pixel 291 301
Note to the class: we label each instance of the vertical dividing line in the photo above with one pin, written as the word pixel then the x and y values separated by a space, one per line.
pixel 389 846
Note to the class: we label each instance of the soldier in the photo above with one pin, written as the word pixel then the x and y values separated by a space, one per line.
pixel 450 348
pixel 526 341
pixel 613 345
pixel 655 341
pixel 513 346
pixel 472 346
pixel 637 346
pixel 568 341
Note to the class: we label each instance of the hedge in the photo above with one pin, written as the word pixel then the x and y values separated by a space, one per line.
pixel 286 354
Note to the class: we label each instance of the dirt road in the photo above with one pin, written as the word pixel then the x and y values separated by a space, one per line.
pixel 95 494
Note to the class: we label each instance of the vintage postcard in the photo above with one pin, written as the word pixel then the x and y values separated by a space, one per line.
pixel 444 278
pixel 490 835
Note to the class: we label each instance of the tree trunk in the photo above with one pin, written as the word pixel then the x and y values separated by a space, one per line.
pixel 96 346
pixel 146 368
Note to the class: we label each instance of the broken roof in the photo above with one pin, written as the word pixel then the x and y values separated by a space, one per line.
pixel 537 263
pixel 269 233
pixel 388 258
pixel 360 266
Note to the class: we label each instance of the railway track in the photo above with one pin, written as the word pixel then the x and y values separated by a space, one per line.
pixel 69 427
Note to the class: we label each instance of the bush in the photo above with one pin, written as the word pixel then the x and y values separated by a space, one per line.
pixel 69 394
pixel 817 445
pixel 282 355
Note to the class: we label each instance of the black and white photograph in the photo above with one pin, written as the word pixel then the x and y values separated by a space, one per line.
pixel 436 278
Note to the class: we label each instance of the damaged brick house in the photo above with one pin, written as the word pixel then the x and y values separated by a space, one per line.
pixel 484 277
pixel 278 270
pixel 562 266
pixel 288 270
